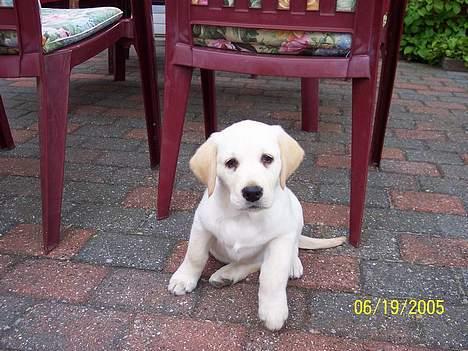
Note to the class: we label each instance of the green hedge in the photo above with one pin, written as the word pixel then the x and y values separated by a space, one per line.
pixel 434 29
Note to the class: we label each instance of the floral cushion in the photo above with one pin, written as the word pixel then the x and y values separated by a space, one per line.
pixel 265 41
pixel 312 5
pixel 63 27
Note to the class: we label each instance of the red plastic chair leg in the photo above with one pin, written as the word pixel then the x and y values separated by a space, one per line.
pixel 144 44
pixel 209 100
pixel 53 86
pixel 363 99
pixel 119 58
pixel 176 92
pixel 390 57
pixel 6 140
pixel 310 104
pixel 110 60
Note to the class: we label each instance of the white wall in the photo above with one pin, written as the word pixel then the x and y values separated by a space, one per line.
pixel 159 21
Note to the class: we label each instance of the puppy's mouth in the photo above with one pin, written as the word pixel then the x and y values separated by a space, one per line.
pixel 254 207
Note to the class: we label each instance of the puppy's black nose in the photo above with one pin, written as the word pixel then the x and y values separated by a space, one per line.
pixel 252 193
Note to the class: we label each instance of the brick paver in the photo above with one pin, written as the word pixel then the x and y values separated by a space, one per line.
pixel 325 214
pixel 145 197
pixel 25 239
pixel 427 202
pixel 105 286
pixel 338 273
pixel 434 251
pixel 166 333
pixel 65 281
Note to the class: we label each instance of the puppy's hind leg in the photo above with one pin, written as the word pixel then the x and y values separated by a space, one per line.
pixel 232 273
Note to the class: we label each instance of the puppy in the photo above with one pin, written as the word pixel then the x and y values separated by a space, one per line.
pixel 248 218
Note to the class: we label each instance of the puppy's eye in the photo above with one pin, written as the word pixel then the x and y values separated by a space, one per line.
pixel 232 163
pixel 267 159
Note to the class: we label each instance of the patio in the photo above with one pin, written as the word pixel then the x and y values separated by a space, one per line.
pixel 104 287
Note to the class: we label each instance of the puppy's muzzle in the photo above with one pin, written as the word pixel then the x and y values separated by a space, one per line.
pixel 252 193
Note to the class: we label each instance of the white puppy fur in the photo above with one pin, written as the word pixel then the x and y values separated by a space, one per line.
pixel 248 218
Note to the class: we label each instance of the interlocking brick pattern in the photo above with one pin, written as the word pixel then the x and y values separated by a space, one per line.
pixel 105 286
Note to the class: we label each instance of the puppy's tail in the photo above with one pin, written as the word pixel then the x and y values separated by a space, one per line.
pixel 313 243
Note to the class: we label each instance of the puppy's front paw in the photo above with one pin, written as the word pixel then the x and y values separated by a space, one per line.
pixel 273 313
pixel 180 283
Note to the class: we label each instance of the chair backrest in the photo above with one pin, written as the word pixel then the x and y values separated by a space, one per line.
pixel 23 17
pixel 362 21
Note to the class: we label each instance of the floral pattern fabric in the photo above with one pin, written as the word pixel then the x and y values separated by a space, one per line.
pixel 264 41
pixel 63 27
pixel 312 5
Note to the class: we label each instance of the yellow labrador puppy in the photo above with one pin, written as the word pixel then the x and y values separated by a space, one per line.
pixel 248 218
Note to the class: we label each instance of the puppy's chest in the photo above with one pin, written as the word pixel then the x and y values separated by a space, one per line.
pixel 240 239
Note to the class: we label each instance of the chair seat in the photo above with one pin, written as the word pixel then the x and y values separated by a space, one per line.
pixel 312 5
pixel 267 41
pixel 63 27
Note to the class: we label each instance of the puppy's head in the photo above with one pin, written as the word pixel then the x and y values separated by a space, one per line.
pixel 249 159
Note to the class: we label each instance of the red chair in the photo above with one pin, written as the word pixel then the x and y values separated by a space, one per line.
pixel 50 58
pixel 188 48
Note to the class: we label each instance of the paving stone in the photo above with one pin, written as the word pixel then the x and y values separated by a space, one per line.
pixel 26 239
pixel 60 280
pixel 168 333
pixel 313 341
pixel 239 304
pixel 84 192
pixel 445 186
pixel 334 161
pixel 22 210
pixel 320 175
pixel 401 221
pixel 453 225
pixel 419 134
pixel 449 330
pixel 18 185
pixel 379 245
pixel 64 327
pixel 402 280
pixel 427 202
pixel 304 191
pixel 333 314
pixel 457 172
pixel 447 146
pixel 146 197
pixel 177 225
pixel 114 144
pixel 135 251
pixel 393 154
pixel 140 290
pixel 326 272
pixel 104 217
pixel 21 136
pixel 392 180
pixel 123 159
pixel 5 262
pixel 434 157
pixel 328 214
pixel 434 251
pixel 407 167
pixel 19 167
pixel 12 309
pixel 376 197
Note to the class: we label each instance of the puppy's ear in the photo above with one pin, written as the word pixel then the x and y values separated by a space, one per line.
pixel 203 164
pixel 292 155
